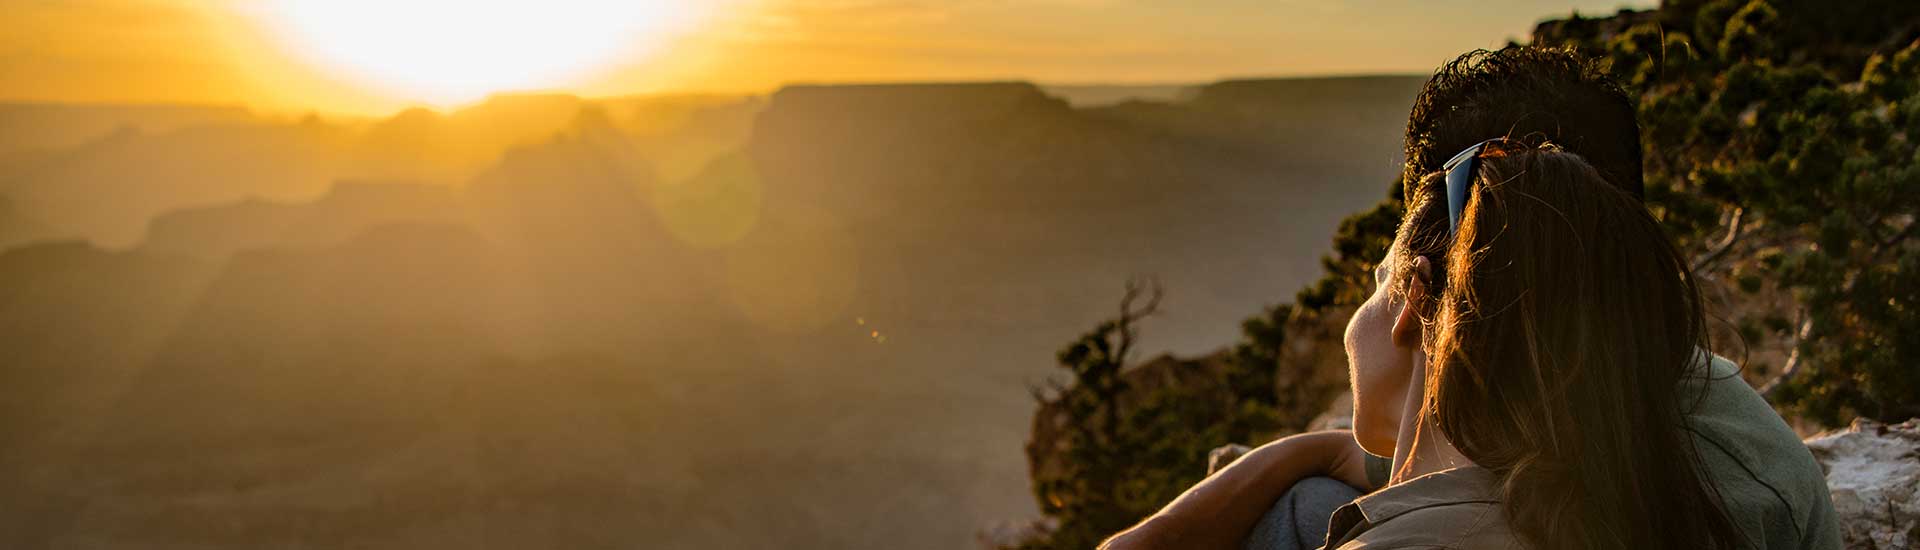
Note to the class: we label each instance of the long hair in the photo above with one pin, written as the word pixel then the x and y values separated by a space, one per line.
pixel 1559 333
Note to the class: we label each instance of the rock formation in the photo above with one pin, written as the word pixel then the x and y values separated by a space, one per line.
pixel 1873 470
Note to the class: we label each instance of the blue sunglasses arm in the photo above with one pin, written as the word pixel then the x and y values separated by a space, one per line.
pixel 1459 178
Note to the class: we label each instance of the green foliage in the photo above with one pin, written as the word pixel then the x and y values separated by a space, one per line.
pixel 1785 159
pixel 1746 34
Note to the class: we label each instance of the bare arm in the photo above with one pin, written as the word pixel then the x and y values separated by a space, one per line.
pixel 1218 512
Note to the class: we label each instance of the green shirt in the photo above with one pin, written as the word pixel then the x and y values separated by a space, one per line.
pixel 1454 509
pixel 1773 489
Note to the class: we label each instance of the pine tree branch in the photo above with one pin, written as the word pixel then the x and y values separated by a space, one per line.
pixel 1734 228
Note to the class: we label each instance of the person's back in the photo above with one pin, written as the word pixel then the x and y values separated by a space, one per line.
pixel 1774 490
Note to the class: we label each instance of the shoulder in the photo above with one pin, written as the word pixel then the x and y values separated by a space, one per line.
pixel 1455 526
pixel 1732 420
pixel 1458 508
pixel 1764 471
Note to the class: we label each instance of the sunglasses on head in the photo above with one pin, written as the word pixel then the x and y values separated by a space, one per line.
pixel 1460 174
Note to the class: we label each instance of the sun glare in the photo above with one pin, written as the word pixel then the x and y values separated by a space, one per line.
pixel 446 52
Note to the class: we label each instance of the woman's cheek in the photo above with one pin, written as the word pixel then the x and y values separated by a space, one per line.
pixel 1378 379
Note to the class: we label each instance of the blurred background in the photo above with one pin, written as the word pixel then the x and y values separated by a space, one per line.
pixel 816 273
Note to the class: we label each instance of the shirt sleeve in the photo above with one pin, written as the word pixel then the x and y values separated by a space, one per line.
pixel 1379 468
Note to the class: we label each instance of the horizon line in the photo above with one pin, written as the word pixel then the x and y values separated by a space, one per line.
pixel 256 109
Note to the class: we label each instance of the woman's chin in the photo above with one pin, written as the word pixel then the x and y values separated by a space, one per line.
pixel 1375 437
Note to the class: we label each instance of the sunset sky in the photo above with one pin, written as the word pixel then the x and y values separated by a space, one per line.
pixel 371 57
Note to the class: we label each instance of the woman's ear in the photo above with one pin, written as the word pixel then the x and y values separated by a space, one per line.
pixel 1406 325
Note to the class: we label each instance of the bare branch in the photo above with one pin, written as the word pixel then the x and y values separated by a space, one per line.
pixel 1734 228
pixel 1129 315
pixel 1794 362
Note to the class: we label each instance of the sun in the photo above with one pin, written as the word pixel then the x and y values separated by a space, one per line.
pixel 447 52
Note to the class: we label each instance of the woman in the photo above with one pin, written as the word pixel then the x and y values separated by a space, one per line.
pixel 1524 374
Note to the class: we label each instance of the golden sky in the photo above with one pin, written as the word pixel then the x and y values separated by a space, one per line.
pixel 378 56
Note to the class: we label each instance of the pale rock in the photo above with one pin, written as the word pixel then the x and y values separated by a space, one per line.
pixel 1223 455
pixel 1873 470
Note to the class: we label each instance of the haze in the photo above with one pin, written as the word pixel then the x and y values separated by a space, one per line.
pixel 743 274
pixel 377 57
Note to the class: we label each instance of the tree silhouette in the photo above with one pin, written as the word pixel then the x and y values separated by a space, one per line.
pixel 1129 442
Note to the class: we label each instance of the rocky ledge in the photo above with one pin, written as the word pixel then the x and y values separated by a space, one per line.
pixel 1873 470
